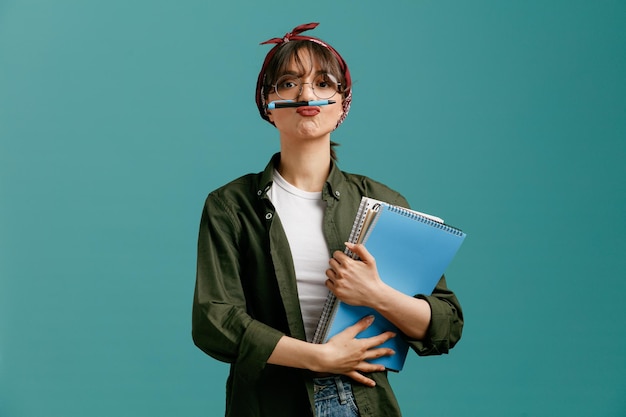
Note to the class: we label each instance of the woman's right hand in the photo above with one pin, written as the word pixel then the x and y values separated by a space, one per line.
pixel 345 354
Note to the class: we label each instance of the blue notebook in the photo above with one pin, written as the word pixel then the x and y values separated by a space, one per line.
pixel 412 251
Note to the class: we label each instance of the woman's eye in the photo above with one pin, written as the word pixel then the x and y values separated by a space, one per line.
pixel 289 84
pixel 326 81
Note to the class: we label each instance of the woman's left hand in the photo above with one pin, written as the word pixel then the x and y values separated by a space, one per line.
pixel 354 282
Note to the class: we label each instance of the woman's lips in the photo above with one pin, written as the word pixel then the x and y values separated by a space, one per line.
pixel 308 111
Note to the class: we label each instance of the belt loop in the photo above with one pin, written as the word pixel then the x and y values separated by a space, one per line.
pixel 343 398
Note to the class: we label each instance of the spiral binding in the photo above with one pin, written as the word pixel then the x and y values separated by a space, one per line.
pixel 331 299
pixel 412 215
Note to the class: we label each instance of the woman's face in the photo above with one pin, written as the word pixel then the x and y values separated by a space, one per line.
pixel 306 122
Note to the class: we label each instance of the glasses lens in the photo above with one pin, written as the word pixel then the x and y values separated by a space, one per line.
pixel 288 87
pixel 325 86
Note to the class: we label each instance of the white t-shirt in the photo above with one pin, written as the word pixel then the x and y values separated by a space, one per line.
pixel 301 214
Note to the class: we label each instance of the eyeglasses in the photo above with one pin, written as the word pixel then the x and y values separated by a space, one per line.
pixel 289 87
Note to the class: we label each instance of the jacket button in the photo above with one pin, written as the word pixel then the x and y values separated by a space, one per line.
pixel 268 216
pixel 337 193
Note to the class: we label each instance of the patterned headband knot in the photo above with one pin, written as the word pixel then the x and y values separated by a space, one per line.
pixel 294 35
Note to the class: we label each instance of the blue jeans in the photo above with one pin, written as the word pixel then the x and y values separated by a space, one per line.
pixel 334 398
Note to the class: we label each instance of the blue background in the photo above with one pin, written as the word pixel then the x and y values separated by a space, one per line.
pixel 117 117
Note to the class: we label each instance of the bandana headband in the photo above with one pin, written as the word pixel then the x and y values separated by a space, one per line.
pixel 294 35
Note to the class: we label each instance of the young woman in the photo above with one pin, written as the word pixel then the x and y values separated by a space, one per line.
pixel 271 247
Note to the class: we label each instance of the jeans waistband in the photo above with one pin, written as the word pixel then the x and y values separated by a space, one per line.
pixel 339 385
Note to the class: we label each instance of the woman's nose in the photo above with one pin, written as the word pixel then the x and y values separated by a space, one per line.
pixel 306 92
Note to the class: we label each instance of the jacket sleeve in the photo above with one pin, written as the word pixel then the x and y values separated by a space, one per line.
pixel 221 327
pixel 446 323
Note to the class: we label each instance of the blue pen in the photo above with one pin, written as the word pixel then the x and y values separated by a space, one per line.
pixel 281 104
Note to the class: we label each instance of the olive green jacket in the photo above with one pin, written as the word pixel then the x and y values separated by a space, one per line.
pixel 246 296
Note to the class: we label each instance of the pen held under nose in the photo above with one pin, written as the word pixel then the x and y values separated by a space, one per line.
pixel 290 103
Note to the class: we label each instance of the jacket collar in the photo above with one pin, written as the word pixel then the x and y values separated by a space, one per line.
pixel 334 182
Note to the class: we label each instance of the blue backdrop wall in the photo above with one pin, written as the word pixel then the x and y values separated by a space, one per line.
pixel 117 117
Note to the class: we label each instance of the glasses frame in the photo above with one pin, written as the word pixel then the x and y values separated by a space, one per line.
pixel 301 85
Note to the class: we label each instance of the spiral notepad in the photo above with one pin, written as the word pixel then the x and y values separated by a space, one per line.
pixel 412 250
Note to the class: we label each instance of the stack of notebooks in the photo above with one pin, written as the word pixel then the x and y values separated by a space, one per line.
pixel 412 251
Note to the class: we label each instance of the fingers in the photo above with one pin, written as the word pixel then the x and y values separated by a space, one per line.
pixel 337 255
pixel 360 251
pixel 363 350
pixel 331 272
pixel 370 344
pixel 379 339
pixel 330 282
pixel 378 353
pixel 339 265
pixel 363 324
pixel 360 378
pixel 366 367
pixel 338 258
pixel 359 326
